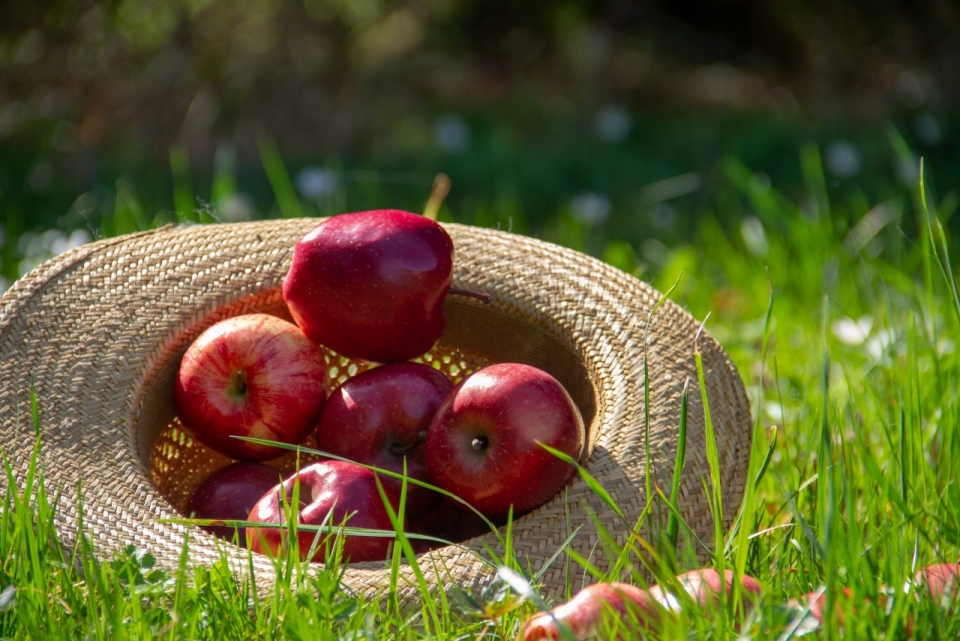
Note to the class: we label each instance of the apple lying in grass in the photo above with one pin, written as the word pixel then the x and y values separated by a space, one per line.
pixel 370 285
pixel 816 602
pixel 584 614
pixel 380 417
pixel 229 494
pixel 483 442
pixel 703 587
pixel 253 375
pixel 332 493
pixel 940 581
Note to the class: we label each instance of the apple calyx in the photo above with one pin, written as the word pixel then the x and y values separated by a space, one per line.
pixel 237 388
pixel 251 375
pixel 402 449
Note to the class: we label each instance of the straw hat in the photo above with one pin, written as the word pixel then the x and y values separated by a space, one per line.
pixel 100 332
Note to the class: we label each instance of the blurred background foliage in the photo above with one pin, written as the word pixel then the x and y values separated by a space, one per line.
pixel 614 127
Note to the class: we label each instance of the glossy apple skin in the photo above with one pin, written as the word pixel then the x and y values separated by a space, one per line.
pixel 370 285
pixel 345 489
pixel 253 375
pixel 703 586
pixel 482 444
pixel 584 613
pixel 381 416
pixel 229 494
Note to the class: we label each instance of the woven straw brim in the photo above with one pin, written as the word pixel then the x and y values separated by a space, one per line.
pixel 100 331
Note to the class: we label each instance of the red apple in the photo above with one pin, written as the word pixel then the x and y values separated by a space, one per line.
pixel 253 375
pixel 817 602
pixel 345 492
pixel 940 581
pixel 449 523
pixel 229 494
pixel 704 587
pixel 483 443
pixel 370 285
pixel 584 613
pixel 381 416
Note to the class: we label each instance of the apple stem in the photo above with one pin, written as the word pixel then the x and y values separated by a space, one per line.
pixel 237 387
pixel 483 298
pixel 479 444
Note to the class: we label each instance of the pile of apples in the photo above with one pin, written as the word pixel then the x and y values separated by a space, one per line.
pixel 369 286
pixel 638 609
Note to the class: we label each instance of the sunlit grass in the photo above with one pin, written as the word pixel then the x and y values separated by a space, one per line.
pixel 843 320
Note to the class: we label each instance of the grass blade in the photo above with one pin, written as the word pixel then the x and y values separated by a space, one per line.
pixel 713 455
pixel 404 542
pixel 556 554
pixel 825 485
pixel 746 516
pixel 278 176
pixel 673 520
pixel 713 460
pixel 675 512
pixel 378 470
pixel 648 472
pixel 590 480
pixel 946 269
pixel 183 200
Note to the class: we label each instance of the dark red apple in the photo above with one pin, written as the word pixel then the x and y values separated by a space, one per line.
pixel 381 416
pixel 449 523
pixel 482 444
pixel 370 285
pixel 229 494
pixel 584 614
pixel 253 375
pixel 345 491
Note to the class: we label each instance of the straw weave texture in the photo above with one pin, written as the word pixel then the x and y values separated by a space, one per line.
pixel 101 331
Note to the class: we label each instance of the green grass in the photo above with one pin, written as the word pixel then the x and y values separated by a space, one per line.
pixel 854 466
